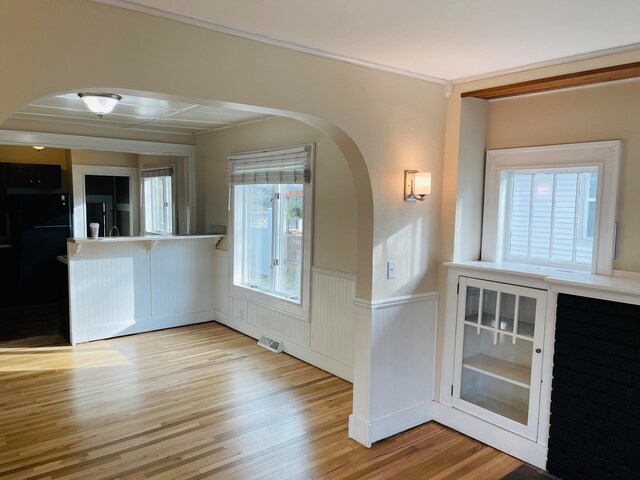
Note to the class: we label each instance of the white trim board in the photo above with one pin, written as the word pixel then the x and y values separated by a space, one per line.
pixel 395 301
pixel 79 196
pixel 78 142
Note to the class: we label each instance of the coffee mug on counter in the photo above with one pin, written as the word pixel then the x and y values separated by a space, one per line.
pixel 94 229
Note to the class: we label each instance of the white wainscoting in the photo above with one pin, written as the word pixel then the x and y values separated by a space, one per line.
pixel 326 340
pixel 123 288
pixel 393 389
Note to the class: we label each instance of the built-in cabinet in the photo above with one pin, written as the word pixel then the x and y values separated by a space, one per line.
pixel 33 175
pixel 498 353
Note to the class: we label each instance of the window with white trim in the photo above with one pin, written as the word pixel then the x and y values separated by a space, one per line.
pixel 552 206
pixel 158 210
pixel 271 211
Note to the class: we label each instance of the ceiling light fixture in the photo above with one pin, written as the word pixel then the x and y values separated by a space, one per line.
pixel 38 147
pixel 100 103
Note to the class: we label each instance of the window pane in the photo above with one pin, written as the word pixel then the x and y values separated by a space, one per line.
pixel 291 248
pixel 564 217
pixel 551 216
pixel 259 233
pixel 268 238
pixel 541 216
pixel 158 205
pixel 520 216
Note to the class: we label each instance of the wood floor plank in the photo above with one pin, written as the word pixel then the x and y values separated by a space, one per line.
pixel 197 402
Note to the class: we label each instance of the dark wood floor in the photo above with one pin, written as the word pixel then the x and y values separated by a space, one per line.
pixel 201 402
pixel 22 321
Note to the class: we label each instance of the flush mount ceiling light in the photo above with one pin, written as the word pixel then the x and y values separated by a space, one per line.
pixel 417 185
pixel 100 103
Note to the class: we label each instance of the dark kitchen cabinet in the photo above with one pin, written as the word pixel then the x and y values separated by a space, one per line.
pixel 25 175
pixel 3 204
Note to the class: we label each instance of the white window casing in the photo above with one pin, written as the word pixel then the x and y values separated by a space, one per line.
pixel 601 157
pixel 148 212
pixel 282 166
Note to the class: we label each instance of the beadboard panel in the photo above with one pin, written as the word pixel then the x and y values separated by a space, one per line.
pixel 122 288
pixel 403 337
pixel 222 273
pixel 281 324
pixel 394 387
pixel 327 336
pixel 109 285
pixel 332 315
pixel 192 263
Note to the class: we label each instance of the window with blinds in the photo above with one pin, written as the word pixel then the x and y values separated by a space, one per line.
pixel 553 205
pixel 271 210
pixel 550 216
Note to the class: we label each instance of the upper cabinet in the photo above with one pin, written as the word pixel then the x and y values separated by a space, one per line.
pixel 26 175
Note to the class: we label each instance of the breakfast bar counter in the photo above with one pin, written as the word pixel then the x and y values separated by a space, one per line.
pixel 125 285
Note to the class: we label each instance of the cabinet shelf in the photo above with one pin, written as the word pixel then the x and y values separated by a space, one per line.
pixel 501 369
pixel 512 412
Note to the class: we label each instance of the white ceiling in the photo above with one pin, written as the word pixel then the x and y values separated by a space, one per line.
pixel 437 39
pixel 134 113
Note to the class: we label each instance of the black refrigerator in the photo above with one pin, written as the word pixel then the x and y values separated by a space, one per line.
pixel 39 226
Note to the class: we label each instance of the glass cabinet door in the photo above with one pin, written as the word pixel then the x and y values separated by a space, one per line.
pixel 498 353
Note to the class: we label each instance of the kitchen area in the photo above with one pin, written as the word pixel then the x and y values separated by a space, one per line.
pixel 98 240
pixel 35 222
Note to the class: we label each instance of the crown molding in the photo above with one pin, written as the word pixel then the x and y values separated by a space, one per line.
pixel 271 41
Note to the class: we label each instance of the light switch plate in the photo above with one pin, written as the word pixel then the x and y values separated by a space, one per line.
pixel 391 270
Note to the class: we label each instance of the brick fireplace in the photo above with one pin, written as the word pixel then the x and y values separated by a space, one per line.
pixel 595 402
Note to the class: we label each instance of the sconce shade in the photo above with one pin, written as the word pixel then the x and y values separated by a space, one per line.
pixel 422 184
pixel 38 147
pixel 100 103
pixel 417 185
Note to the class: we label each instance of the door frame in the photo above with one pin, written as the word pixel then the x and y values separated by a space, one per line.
pixel 79 173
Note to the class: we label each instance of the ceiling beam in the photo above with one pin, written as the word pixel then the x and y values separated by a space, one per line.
pixel 570 80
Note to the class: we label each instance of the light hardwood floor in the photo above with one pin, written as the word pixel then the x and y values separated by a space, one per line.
pixel 201 402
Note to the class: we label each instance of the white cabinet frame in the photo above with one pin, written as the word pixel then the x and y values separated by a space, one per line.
pixel 530 429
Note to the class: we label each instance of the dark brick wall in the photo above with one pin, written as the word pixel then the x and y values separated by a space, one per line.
pixel 595 402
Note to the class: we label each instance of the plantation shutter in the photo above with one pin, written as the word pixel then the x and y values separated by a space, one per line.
pixel 547 219
pixel 282 166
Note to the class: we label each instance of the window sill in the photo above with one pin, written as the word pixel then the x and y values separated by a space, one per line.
pixel 621 283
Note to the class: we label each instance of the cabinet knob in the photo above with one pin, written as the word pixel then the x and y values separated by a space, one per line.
pixel 538 350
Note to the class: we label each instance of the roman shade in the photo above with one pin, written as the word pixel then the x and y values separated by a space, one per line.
pixel 157 172
pixel 281 166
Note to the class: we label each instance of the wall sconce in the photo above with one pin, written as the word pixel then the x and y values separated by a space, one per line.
pixel 100 103
pixel 417 185
pixel 38 148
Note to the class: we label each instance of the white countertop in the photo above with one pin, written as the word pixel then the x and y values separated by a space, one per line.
pixel 141 238
pixel 621 283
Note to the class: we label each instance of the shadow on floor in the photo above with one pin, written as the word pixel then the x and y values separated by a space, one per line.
pixel 529 472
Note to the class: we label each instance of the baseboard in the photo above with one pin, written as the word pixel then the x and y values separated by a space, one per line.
pixel 100 332
pixel 359 430
pixel 331 365
pixel 397 422
pixel 499 438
